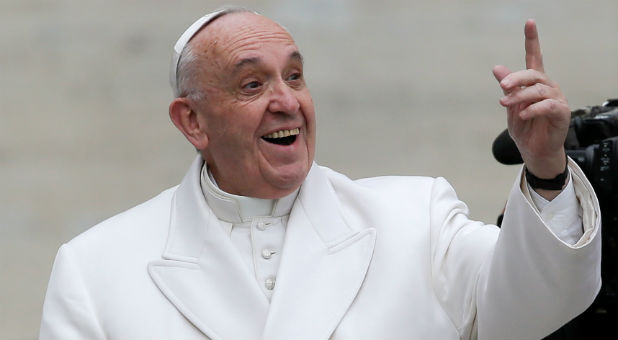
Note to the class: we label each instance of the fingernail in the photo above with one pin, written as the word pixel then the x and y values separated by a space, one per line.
pixel 505 83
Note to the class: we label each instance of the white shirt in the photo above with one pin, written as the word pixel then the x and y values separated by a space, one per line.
pixel 565 223
pixel 255 226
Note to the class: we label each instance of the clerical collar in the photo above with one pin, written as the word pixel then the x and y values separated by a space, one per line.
pixel 237 209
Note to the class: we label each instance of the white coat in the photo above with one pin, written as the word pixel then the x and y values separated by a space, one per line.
pixel 378 258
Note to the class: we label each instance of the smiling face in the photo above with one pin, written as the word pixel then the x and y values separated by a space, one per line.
pixel 257 120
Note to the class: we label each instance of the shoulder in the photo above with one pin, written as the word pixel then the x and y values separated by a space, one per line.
pixel 388 197
pixel 409 197
pixel 383 185
pixel 148 219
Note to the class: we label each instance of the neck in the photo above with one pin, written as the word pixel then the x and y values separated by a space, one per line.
pixel 235 208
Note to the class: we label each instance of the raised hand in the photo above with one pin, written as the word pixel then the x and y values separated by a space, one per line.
pixel 537 112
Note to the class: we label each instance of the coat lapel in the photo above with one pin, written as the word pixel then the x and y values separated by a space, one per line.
pixel 202 274
pixel 323 264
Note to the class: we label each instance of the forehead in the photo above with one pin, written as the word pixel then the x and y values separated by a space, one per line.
pixel 238 35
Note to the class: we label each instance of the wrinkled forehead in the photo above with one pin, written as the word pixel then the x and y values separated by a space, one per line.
pixel 220 37
pixel 239 32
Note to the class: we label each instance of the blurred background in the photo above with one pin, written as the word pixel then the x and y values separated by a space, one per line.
pixel 400 87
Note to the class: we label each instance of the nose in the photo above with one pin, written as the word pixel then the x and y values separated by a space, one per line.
pixel 283 99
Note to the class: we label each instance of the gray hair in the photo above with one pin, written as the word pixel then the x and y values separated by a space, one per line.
pixel 187 74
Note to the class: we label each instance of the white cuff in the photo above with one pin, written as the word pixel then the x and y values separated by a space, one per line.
pixel 562 214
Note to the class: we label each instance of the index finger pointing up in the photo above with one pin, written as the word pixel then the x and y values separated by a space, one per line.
pixel 534 59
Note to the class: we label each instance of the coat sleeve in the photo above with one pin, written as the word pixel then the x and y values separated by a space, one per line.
pixel 68 312
pixel 517 282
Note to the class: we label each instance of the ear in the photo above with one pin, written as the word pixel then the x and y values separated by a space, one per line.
pixel 189 123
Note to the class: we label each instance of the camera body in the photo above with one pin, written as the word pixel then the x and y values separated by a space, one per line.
pixel 592 142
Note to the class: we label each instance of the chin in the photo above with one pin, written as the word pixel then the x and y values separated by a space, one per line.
pixel 285 182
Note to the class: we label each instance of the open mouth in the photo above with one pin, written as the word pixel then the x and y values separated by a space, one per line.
pixel 282 137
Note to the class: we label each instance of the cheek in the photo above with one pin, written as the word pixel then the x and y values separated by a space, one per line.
pixel 236 132
pixel 233 123
pixel 306 102
pixel 309 113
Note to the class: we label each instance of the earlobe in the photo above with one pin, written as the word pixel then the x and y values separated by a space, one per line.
pixel 188 122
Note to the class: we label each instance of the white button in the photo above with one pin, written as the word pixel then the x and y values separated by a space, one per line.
pixel 270 283
pixel 263 225
pixel 267 253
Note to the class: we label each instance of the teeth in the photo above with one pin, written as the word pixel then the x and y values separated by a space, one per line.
pixel 283 133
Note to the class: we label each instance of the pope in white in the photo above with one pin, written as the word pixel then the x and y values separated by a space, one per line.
pixel 258 241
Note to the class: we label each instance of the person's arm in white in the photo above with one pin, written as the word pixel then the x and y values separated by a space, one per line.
pixel 67 310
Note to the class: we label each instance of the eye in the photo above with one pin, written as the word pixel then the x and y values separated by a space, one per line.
pixel 251 85
pixel 294 76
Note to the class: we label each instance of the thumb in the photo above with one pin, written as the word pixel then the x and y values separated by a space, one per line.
pixel 500 72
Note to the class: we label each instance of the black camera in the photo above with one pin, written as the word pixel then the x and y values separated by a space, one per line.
pixel 593 143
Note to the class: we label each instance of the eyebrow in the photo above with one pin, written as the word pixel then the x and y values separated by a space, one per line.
pixel 295 55
pixel 246 61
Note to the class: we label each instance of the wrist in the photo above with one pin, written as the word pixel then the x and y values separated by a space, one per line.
pixel 556 182
pixel 546 166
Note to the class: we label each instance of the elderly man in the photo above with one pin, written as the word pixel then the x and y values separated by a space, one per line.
pixel 260 242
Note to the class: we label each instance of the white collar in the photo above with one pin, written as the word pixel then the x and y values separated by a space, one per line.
pixel 237 209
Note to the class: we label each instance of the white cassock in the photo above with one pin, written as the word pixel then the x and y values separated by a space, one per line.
pixel 377 258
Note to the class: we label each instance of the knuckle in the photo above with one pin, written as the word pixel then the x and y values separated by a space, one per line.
pixel 540 90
